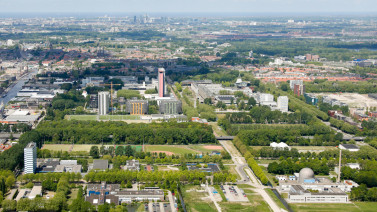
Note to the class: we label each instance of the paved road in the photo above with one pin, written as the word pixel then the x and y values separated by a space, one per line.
pixel 171 200
pixel 213 198
pixel 248 177
pixel 12 92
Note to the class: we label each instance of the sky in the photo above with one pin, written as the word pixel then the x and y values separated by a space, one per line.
pixel 189 6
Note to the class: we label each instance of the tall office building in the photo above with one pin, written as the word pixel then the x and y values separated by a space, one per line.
pixel 161 82
pixel 103 102
pixel 30 158
pixel 282 103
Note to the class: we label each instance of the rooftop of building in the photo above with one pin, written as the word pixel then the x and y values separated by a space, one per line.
pixel 30 145
pixel 100 164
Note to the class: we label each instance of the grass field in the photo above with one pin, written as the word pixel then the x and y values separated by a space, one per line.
pixel 194 200
pixel 324 207
pixel 256 203
pixel 119 117
pixel 105 117
pixel 57 147
pixel 175 149
pixel 72 195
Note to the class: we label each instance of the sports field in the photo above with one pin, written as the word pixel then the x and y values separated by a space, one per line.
pixel 103 118
pixel 170 149
pixel 352 207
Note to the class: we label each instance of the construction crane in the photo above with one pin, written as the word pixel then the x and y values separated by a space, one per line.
pixel 111 95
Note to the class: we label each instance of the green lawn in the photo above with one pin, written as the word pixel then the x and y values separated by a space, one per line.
pixel 105 117
pixel 175 149
pixel 72 195
pixel 256 203
pixel 82 117
pixel 194 200
pixel 57 147
pixel 351 207
pixel 120 117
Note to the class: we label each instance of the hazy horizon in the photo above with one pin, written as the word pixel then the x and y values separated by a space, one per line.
pixel 313 7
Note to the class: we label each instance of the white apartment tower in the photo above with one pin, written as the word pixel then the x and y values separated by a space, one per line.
pixel 282 103
pixel 30 158
pixel 103 102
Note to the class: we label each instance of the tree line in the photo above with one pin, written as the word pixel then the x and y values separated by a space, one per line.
pixel 93 132
pixel 245 151
pixel 156 177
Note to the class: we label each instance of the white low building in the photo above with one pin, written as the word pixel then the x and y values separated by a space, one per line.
pixel 280 145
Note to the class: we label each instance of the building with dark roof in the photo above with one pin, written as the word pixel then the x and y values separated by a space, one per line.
pixel 101 164
pixel 349 147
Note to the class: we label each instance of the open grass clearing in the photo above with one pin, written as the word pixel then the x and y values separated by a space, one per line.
pixel 72 195
pixel 175 149
pixel 350 207
pixel 104 117
pixel 197 201
pixel 57 147
pixel 256 203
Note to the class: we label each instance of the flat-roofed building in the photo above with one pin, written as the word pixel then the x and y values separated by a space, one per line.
pixel 170 106
pixel 101 164
pixel 137 107
pixel 331 195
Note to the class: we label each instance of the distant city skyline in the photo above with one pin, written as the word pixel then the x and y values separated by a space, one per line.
pixel 186 6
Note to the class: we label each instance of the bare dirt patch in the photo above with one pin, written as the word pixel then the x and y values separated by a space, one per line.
pixel 214 147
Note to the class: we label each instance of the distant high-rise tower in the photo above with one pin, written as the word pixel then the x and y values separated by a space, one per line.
pixel 135 19
pixel 30 158
pixel 161 82
pixel 103 102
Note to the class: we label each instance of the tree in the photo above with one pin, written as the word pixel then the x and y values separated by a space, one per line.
pixel 119 150
pixel 208 101
pixel 94 152
pixel 9 205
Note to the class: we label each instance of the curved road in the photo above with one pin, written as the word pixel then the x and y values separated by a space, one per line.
pixel 248 177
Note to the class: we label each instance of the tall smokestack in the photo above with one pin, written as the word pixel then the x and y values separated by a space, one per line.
pixel 340 165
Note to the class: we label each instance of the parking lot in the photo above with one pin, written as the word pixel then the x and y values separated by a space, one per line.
pixel 157 207
pixel 234 194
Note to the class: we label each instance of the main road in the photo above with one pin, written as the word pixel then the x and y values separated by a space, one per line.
pixel 12 91
pixel 247 174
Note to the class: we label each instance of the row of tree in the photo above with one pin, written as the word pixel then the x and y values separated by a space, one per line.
pixel 82 132
pixel 343 126
pixel 118 176
pixel 263 137
pixel 245 151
